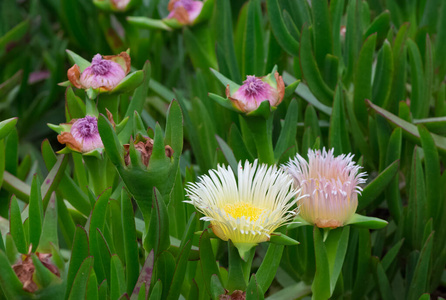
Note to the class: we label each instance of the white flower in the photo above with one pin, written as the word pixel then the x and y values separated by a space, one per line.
pixel 248 209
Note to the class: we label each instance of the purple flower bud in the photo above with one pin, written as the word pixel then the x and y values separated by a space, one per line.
pixel 255 90
pixel 120 5
pixel 185 11
pixel 83 136
pixel 104 73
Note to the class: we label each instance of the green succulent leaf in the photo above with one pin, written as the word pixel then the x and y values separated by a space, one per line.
pixel 366 222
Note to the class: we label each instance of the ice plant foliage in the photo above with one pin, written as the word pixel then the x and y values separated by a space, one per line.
pixel 185 11
pixel 104 73
pixel 255 90
pixel 331 185
pixel 246 209
pixel 83 135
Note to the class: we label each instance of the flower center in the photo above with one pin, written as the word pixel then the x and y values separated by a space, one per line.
pixel 253 85
pixel 87 126
pixel 243 209
pixel 100 66
pixel 187 4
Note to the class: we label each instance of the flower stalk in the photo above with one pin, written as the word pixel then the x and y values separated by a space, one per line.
pixel 261 132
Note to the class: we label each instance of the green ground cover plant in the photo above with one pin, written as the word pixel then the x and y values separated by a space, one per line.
pixel 222 149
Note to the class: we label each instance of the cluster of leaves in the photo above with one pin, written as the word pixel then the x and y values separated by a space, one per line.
pixel 372 82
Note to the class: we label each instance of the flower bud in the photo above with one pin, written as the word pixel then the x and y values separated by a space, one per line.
pixel 255 90
pixel 185 11
pixel 83 135
pixel 144 145
pixel 24 269
pixel 104 73
pixel 331 185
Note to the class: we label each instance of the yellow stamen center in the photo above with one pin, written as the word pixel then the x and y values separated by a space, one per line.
pixel 238 210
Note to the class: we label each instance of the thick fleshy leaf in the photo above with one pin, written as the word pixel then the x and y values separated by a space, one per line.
pixel 198 46
pixel 148 23
pixel 11 285
pixel 174 128
pixel 377 186
pixel 366 222
pixel 53 179
pixel 311 71
pixel 113 147
pixel 207 261
pixel 69 189
pixel 225 41
pixel 392 192
pixel 6 126
pixel 267 270
pixel 78 60
pixel 287 138
pixel 180 271
pixel 390 256
pixel 363 80
pixel 281 239
pixel 416 67
pixel 303 91
pixel 380 25
pixel 253 44
pixel 16 226
pixel 323 43
pixel 74 106
pixel 233 87
pixel 157 237
pixel 129 83
pixel 137 103
pixel 144 278
pixel 321 283
pixel 92 288
pixel 16 186
pixel 2 161
pixel 409 129
pixel 79 253
pixel 49 228
pixel 363 262
pixel 236 280
pixel 42 275
pixel 382 82
pixel 130 241
pixel 432 172
pixel 283 36
pixel 383 283
pixel 227 152
pixel 79 288
pixel 97 221
pixel 419 283
pixel 336 247
pixel 253 291
pixel 338 134
pixel 117 280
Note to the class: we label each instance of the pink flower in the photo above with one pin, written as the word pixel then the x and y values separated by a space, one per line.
pixel 83 136
pixel 120 5
pixel 185 11
pixel 255 90
pixel 331 184
pixel 104 73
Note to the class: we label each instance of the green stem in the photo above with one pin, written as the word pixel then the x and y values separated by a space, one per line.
pixel 110 102
pixel 238 271
pixel 97 178
pixel 262 139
